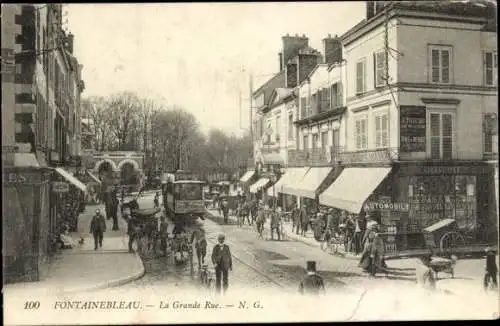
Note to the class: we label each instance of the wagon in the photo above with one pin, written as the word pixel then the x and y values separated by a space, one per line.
pixel 444 236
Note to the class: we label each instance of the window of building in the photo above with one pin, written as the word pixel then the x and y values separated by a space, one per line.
pixel 360 76
pixel 361 131
pixel 268 132
pixel 441 135
pixel 278 127
pixel 490 68
pixel 381 130
pixel 432 198
pixel 490 132
pixel 324 139
pixel 336 138
pixel 306 142
pixel 325 99
pixel 336 95
pixel 441 64
pixel 290 126
pixel 315 141
pixel 379 68
pixel 303 107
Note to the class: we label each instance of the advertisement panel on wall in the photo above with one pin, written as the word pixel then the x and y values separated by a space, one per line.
pixel 412 128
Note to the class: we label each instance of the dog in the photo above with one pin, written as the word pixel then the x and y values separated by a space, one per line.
pixel 440 264
pixel 81 241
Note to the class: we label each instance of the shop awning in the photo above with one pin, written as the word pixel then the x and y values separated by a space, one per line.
pixel 71 179
pixel 247 176
pixel 259 184
pixel 25 160
pixel 353 187
pixel 291 176
pixel 96 179
pixel 272 158
pixel 307 186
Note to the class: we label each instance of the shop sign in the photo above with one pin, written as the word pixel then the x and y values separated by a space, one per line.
pixel 21 178
pixel 60 187
pixel 365 157
pixel 412 128
pixel 443 170
pixel 386 206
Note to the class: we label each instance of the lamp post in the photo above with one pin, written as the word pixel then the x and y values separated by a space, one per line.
pixel 273 180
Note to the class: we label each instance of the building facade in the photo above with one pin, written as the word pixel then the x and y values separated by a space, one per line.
pixel 420 107
pixel 31 36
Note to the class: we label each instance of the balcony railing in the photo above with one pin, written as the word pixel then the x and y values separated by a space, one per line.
pixel 337 155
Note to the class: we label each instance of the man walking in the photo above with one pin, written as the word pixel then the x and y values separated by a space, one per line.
pixel 312 283
pixel 222 260
pixel 97 228
pixel 114 209
pixel 304 220
pixel 275 223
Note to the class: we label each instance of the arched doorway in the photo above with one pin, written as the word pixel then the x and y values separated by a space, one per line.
pixel 105 172
pixel 129 175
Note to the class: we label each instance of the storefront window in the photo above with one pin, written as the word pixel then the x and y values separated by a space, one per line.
pixel 433 198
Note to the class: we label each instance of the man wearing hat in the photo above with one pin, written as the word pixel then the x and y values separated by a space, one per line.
pixel 223 263
pixel 312 283
pixel 491 268
pixel 97 228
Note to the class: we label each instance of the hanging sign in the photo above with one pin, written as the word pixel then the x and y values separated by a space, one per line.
pixel 60 187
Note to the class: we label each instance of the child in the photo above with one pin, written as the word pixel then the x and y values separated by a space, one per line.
pixel 491 269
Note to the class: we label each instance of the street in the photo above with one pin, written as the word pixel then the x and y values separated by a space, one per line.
pixel 280 265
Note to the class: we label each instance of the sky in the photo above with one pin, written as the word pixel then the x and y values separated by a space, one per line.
pixel 198 56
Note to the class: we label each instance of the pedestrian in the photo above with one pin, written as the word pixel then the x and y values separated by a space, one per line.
pixel 491 269
pixel 349 234
pixel 359 228
pixel 163 234
pixel 304 220
pixel 132 230
pixel 114 210
pixel 370 224
pixel 261 219
pixel 365 261
pixel 97 228
pixel 223 263
pixel 201 248
pixel 225 211
pixel 312 283
pixel 275 223
pixel 377 253
pixel 157 200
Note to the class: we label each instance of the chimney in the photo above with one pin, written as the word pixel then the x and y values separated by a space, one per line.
pixel 280 55
pixel 291 47
pixel 370 9
pixel 70 39
pixel 307 61
pixel 332 49
pixel 291 74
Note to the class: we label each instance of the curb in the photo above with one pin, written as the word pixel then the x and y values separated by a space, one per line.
pixel 112 283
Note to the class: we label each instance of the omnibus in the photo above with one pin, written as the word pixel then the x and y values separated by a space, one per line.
pixel 183 199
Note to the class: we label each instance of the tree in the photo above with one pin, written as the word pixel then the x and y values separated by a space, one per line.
pixel 97 113
pixel 124 111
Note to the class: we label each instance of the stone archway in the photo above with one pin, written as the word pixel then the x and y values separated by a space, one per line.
pixel 105 171
pixel 129 174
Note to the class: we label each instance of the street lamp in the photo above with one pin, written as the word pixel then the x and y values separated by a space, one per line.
pixel 273 180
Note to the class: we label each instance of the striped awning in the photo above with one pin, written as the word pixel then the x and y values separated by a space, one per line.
pixel 291 176
pixel 71 179
pixel 307 186
pixel 272 158
pixel 247 176
pixel 96 179
pixel 262 182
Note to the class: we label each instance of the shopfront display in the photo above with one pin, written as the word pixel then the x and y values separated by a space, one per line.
pixel 435 193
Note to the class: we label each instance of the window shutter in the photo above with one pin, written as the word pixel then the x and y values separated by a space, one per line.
pixel 357 134
pixel 445 66
pixel 364 133
pixel 359 77
pixel 378 126
pixel 339 94
pixel 435 65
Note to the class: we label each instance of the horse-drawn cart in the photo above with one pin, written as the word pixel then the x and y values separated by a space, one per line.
pixel 444 236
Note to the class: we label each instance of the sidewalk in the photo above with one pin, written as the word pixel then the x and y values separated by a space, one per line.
pixel 82 268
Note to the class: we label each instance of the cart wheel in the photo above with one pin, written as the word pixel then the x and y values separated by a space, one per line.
pixel 451 240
